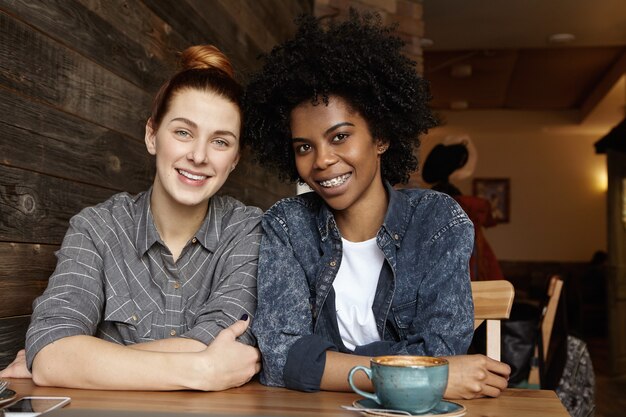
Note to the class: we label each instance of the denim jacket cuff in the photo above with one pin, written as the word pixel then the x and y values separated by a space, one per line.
pixel 305 363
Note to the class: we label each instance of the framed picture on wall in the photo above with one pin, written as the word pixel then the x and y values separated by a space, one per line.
pixel 497 192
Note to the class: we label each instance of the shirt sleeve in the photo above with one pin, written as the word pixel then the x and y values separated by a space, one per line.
pixel 233 292
pixel 292 356
pixel 73 301
pixel 444 320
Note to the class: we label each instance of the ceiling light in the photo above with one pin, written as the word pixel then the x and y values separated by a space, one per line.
pixel 559 38
pixel 461 71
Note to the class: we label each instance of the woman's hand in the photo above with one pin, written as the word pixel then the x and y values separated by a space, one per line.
pixel 475 376
pixel 227 362
pixel 17 368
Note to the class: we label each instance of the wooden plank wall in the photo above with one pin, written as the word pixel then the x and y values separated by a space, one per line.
pixel 76 82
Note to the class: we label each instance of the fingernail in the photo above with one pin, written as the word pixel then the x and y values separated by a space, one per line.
pixel 244 317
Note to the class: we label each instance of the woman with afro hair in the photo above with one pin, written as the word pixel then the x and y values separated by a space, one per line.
pixel 356 268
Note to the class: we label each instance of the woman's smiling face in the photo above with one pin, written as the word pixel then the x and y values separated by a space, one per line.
pixel 335 153
pixel 196 146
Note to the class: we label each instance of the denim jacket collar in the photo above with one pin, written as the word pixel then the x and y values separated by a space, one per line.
pixel 394 226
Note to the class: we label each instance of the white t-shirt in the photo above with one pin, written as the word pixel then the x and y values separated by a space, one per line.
pixel 355 288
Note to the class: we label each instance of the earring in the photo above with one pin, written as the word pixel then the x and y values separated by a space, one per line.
pixel 382 148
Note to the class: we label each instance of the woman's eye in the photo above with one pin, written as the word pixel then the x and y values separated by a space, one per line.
pixel 339 137
pixel 220 142
pixel 302 149
pixel 182 134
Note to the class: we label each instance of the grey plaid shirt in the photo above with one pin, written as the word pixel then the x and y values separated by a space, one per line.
pixel 115 278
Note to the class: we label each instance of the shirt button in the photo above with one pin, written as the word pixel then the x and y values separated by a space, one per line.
pixel 333 264
pixel 134 317
pixel 177 285
pixel 194 240
pixel 396 237
pixel 172 332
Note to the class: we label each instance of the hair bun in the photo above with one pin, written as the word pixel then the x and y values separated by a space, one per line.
pixel 205 57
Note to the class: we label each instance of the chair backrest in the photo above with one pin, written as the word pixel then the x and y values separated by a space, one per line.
pixel 549 311
pixel 492 302
pixel 548 315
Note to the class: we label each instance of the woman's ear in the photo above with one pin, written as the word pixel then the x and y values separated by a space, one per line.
pixel 235 162
pixel 150 138
pixel 381 146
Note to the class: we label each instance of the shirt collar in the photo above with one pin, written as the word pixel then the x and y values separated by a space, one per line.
pixel 396 219
pixel 146 233
pixel 326 221
pixel 398 215
pixel 210 230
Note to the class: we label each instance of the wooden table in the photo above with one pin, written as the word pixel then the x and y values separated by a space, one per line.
pixel 256 399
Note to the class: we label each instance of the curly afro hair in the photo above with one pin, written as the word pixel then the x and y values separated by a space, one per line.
pixel 359 60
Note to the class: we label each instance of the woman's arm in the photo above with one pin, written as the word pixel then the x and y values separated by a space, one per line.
pixel 234 285
pixel 338 365
pixel 17 368
pixel 443 324
pixel 74 300
pixel 293 356
pixel 92 363
pixel 475 376
pixel 174 344
pixel 469 376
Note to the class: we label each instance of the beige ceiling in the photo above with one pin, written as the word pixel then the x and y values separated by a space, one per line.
pixel 513 66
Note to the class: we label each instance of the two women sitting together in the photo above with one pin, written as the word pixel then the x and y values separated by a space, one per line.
pixel 157 291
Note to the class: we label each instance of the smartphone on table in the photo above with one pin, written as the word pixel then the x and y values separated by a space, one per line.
pixel 33 406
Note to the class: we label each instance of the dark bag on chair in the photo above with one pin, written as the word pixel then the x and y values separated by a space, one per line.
pixel 567 369
pixel 576 388
pixel 518 345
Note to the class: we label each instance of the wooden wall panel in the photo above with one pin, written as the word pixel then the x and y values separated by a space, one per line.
pixel 77 27
pixel 206 22
pixel 30 60
pixel 251 18
pixel 21 282
pixel 48 141
pixel 136 21
pixel 267 11
pixel 36 208
pixel 12 334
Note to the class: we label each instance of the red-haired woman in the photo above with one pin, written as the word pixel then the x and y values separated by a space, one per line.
pixel 155 291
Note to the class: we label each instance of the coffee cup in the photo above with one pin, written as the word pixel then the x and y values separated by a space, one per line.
pixel 410 383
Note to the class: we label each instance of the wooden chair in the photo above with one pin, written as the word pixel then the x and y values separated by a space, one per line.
pixel 548 315
pixel 492 302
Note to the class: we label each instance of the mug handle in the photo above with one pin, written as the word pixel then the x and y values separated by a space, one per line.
pixel 368 372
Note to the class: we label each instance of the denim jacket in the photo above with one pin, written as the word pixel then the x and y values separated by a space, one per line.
pixel 423 302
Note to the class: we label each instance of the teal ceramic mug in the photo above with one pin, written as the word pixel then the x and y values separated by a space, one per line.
pixel 410 383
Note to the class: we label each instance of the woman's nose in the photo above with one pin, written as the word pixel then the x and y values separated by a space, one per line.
pixel 325 157
pixel 199 153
